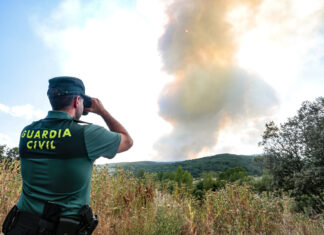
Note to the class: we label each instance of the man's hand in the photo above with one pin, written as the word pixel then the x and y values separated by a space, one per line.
pixel 96 106
pixel 113 125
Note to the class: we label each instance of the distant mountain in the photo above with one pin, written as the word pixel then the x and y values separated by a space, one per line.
pixel 217 163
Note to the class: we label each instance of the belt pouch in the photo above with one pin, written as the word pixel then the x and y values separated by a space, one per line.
pixel 67 226
pixel 10 220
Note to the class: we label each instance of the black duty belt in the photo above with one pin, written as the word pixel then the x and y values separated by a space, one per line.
pixel 28 219
pixel 43 226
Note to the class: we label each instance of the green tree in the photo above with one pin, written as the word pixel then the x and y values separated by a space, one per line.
pixel 8 154
pixel 13 153
pixel 234 174
pixel 2 152
pixel 259 160
pixel 183 177
pixel 294 154
pixel 180 176
pixel 140 173
pixel 187 178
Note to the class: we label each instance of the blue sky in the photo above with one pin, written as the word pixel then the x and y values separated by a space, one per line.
pixel 25 60
pixel 115 47
pixel 25 63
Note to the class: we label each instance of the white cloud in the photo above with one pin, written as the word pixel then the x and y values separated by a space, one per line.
pixel 9 140
pixel 4 139
pixel 22 111
pixel 4 108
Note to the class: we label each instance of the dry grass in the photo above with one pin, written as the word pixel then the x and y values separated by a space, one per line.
pixel 10 187
pixel 128 205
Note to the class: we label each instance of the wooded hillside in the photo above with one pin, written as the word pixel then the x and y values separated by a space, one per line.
pixel 216 163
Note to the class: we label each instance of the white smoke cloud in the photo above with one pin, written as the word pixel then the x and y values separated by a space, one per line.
pixel 210 92
pixel 268 43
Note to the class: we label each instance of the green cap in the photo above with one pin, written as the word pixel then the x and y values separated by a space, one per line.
pixel 62 86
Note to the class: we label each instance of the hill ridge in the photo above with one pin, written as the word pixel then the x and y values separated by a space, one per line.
pixel 217 163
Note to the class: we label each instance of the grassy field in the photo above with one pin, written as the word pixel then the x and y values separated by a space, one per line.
pixel 128 205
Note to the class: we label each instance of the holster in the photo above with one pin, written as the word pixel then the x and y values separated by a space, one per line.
pixel 49 219
pixel 89 221
pixel 10 220
pixel 67 226
pixel 85 226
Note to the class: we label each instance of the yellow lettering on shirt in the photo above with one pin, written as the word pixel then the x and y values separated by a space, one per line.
pixel 52 145
pixel 44 134
pixel 52 134
pixel 28 144
pixel 30 135
pixel 67 132
pixel 37 135
pixel 41 144
pixel 23 134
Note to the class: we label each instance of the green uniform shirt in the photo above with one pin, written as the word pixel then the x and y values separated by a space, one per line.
pixel 52 171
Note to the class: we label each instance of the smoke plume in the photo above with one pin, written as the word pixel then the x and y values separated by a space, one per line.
pixel 209 91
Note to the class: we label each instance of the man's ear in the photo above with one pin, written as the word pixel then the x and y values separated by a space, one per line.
pixel 76 102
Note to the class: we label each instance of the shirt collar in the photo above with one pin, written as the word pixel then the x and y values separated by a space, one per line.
pixel 58 115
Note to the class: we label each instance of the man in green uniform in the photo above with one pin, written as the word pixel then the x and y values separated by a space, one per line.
pixel 57 154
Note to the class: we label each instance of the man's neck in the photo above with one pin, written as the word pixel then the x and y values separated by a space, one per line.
pixel 68 111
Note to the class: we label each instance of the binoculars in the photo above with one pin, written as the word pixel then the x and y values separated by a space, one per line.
pixel 87 104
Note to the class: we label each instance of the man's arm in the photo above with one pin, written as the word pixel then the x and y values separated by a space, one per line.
pixel 113 125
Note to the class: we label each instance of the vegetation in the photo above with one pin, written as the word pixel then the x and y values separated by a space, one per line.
pixel 179 176
pixel 130 205
pixel 8 154
pixel 294 156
